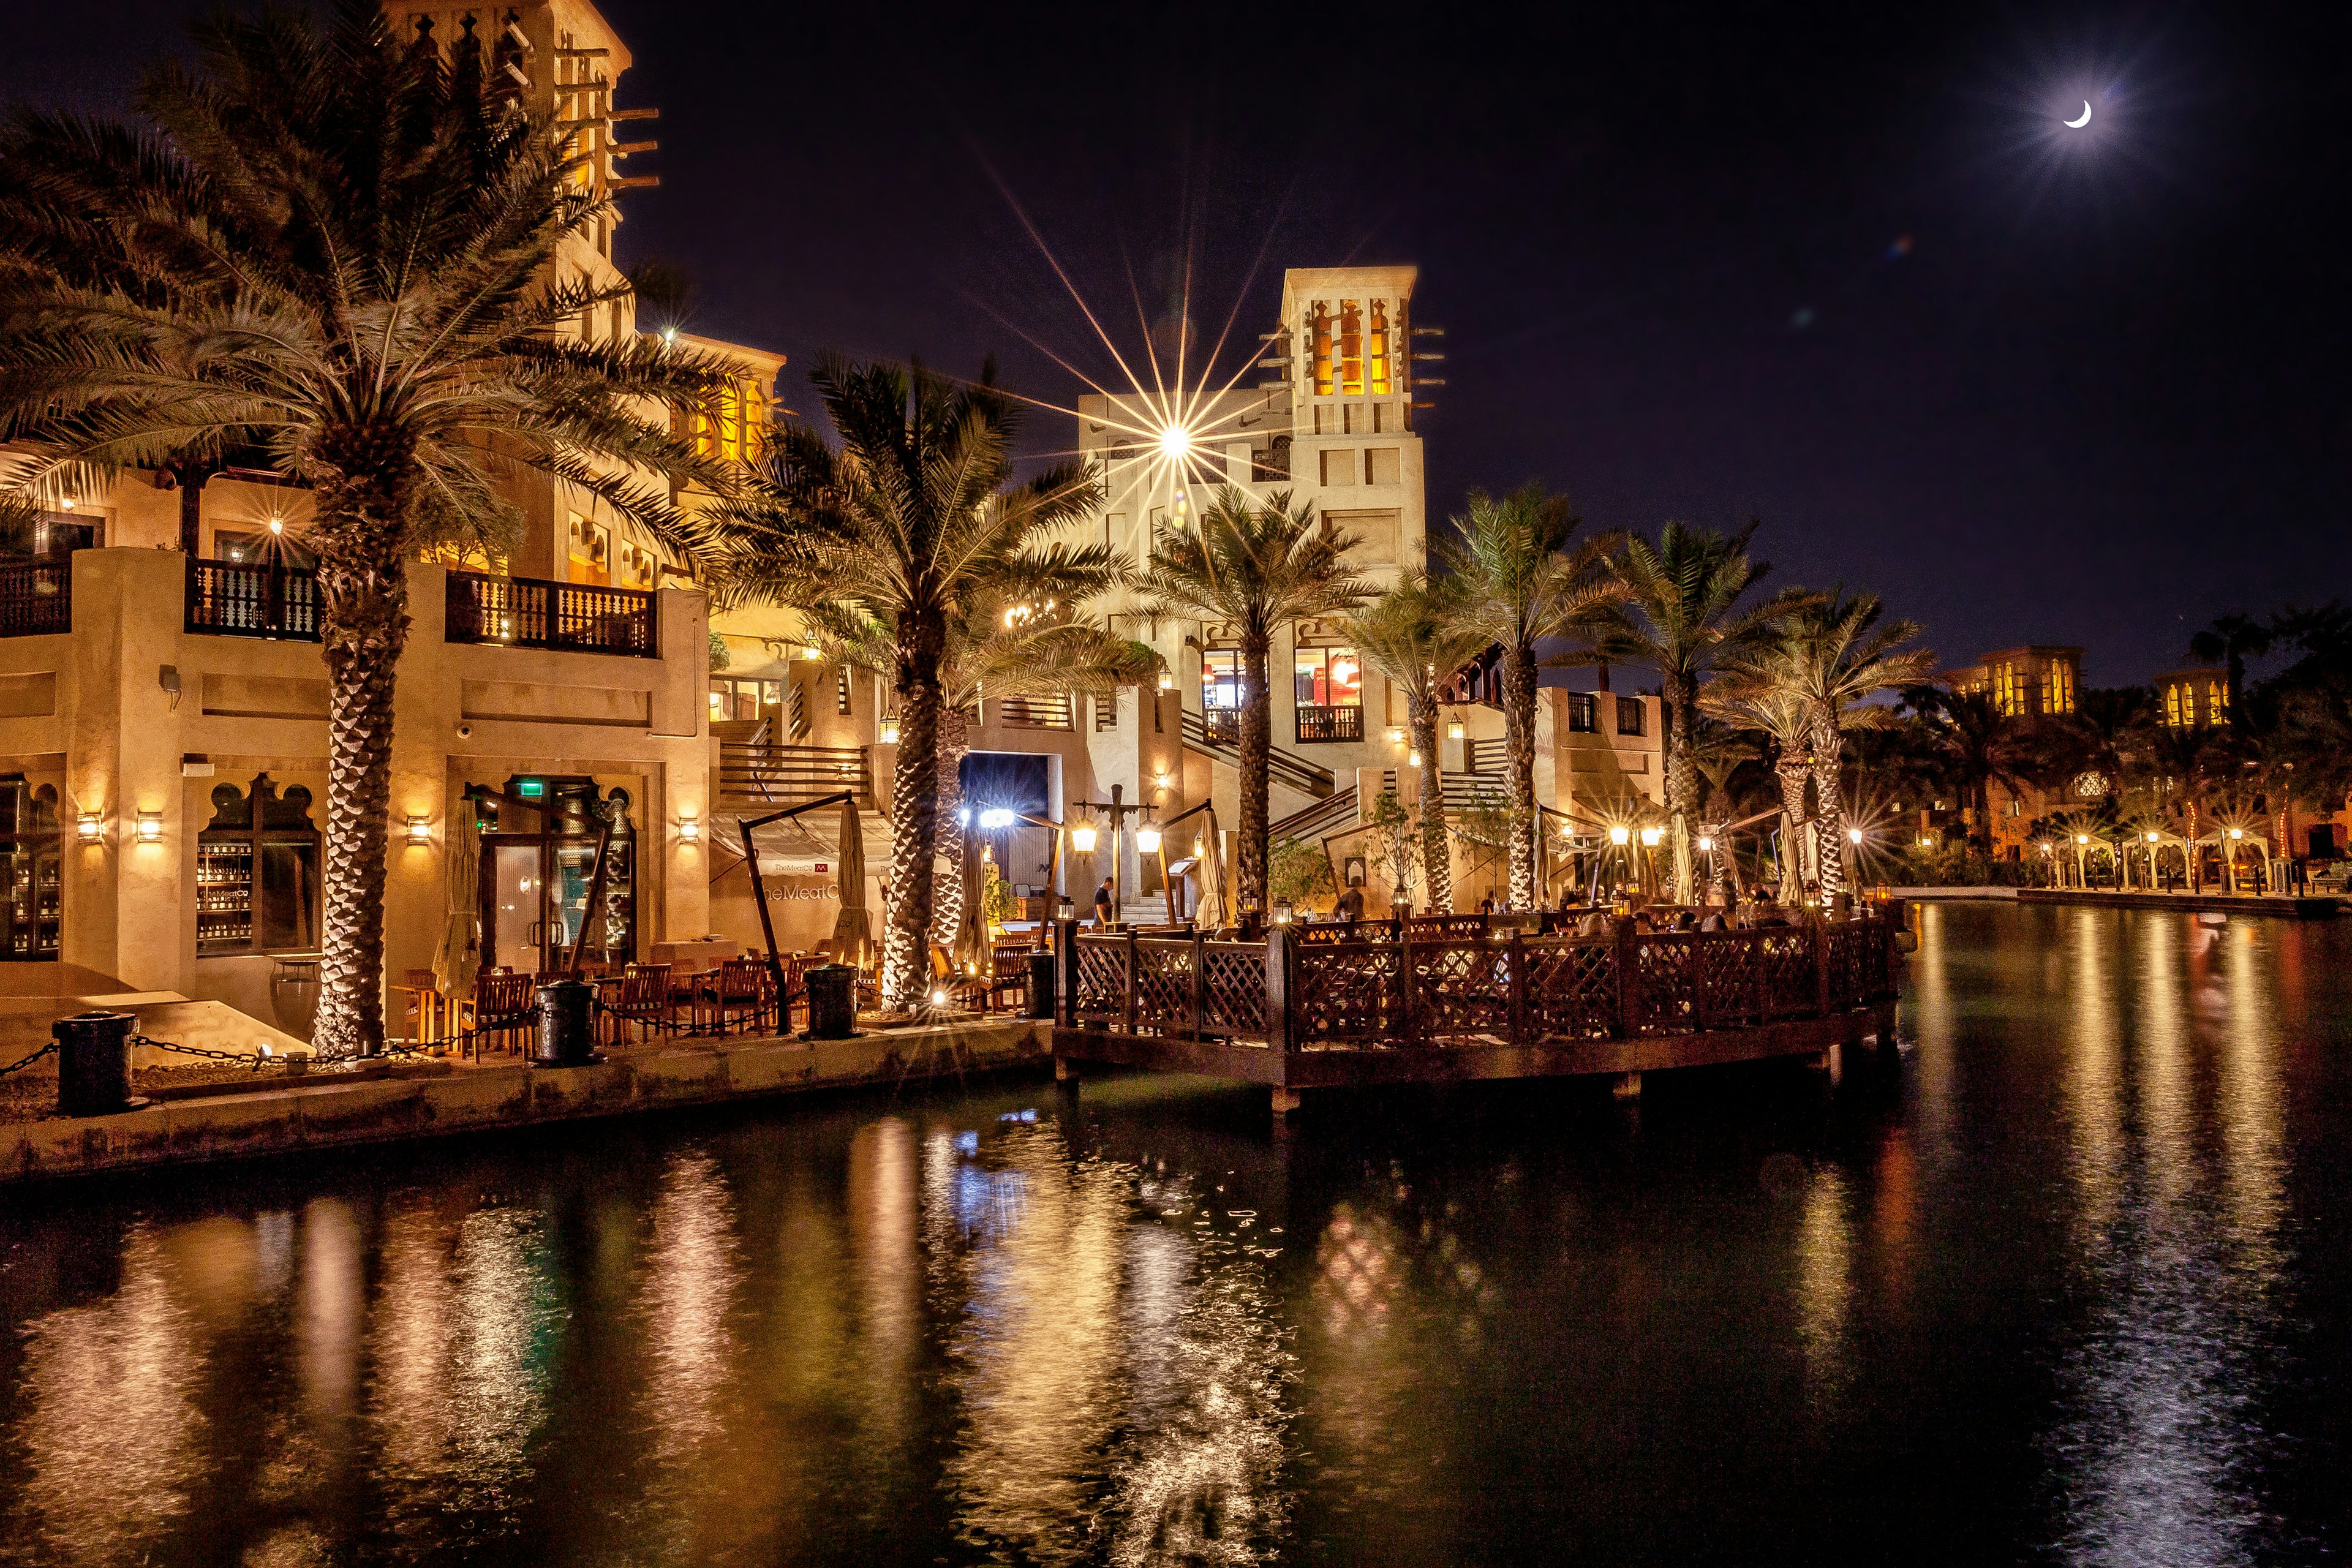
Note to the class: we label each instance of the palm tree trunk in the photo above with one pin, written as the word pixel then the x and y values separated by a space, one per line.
pixel 1791 772
pixel 363 627
pixel 947 892
pixel 1682 782
pixel 1519 744
pixel 914 814
pixel 1257 746
pixel 1436 859
pixel 1829 759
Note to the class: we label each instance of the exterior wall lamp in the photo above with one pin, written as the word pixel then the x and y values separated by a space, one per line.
pixel 1167 680
pixel 689 830
pixel 90 826
pixel 151 827
pixel 890 729
pixel 1456 731
pixel 420 829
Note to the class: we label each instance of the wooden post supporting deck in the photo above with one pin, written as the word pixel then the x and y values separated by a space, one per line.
pixel 1628 980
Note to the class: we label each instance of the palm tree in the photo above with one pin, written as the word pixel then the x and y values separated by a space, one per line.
pixel 1253 568
pixel 334 248
pixel 1975 745
pixel 1007 637
pixel 1717 752
pixel 1414 635
pixel 1834 657
pixel 1784 718
pixel 2181 763
pixel 911 521
pixel 1681 617
pixel 1521 584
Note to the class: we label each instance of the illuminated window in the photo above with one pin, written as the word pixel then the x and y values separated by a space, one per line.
pixel 1376 351
pixel 1220 678
pixel 1320 330
pixel 734 699
pixel 2172 705
pixel 1327 685
pixel 2217 699
pixel 592 552
pixel 637 569
pixel 1352 348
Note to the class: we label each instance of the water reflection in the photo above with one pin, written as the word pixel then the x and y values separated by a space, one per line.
pixel 2036 1292
pixel 2178 1158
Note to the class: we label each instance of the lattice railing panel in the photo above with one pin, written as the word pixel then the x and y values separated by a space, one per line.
pixel 1790 985
pixel 1163 987
pixel 1233 990
pixel 1346 995
pixel 1102 979
pixel 1727 969
pixel 1571 989
pixel 1665 998
pixel 1460 990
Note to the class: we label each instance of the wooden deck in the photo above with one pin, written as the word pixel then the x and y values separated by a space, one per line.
pixel 1463 997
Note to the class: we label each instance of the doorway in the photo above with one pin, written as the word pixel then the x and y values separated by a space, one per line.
pixel 536 873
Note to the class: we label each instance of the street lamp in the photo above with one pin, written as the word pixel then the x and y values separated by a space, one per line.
pixel 1621 836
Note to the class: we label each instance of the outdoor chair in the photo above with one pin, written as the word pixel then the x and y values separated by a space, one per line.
pixel 1008 964
pixel 501 1010
pixel 963 990
pixel 739 995
pixel 422 989
pixel 638 1000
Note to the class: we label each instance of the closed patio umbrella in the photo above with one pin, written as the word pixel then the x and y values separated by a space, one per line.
pixel 459 957
pixel 853 937
pixel 972 936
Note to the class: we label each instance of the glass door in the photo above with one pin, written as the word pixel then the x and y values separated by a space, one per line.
pixel 568 891
pixel 514 895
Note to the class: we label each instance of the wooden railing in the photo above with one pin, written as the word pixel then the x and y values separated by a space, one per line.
pixel 760 772
pixel 1469 981
pixel 35 597
pixel 1318 724
pixel 1329 814
pixel 532 612
pixel 1050 712
pixel 253 599
pixel 1281 766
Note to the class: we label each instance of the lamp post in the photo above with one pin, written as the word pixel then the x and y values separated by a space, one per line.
pixel 2081 867
pixel 1082 838
pixel 2230 859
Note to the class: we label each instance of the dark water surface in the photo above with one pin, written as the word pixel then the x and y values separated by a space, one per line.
pixel 2067 1282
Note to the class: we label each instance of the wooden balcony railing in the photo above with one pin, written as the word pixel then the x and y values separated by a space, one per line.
pixel 1221 725
pixel 530 612
pixel 252 599
pixel 1468 981
pixel 35 597
pixel 1051 712
pixel 1318 724
pixel 760 772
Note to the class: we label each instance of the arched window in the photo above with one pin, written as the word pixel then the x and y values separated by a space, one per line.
pixel 257 872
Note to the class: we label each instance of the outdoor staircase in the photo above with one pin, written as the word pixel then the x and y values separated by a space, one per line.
pixel 1327 815
pixel 1291 772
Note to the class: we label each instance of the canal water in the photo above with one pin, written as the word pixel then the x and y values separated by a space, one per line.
pixel 2065 1282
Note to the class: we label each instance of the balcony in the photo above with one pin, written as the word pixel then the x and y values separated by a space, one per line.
pixel 1222 726
pixel 35 597
pixel 530 612
pixel 1052 712
pixel 1317 724
pixel 241 599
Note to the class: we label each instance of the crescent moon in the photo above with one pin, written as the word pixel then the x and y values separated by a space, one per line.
pixel 2078 124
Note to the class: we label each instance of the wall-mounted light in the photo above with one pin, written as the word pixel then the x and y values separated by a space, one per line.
pixel 1621 836
pixel 890 731
pixel 1414 759
pixel 811 655
pixel 689 830
pixel 420 829
pixel 1167 680
pixel 1456 731
pixel 88 827
pixel 151 827
pixel 1396 735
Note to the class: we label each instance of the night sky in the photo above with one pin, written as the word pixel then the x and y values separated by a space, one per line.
pixel 1840 269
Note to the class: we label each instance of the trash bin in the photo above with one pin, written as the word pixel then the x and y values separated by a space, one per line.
pixel 94 1064
pixel 567 1023
pixel 831 1001
pixel 1041 984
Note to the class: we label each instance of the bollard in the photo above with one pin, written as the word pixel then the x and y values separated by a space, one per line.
pixel 831 1002
pixel 567 1034
pixel 1041 984
pixel 94 1064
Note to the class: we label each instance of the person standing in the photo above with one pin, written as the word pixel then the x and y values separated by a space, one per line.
pixel 1350 907
pixel 1105 912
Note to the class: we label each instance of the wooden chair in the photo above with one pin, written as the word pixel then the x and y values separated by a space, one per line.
pixel 501 1009
pixel 1008 966
pixel 963 990
pixel 739 995
pixel 639 1000
pixel 422 988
